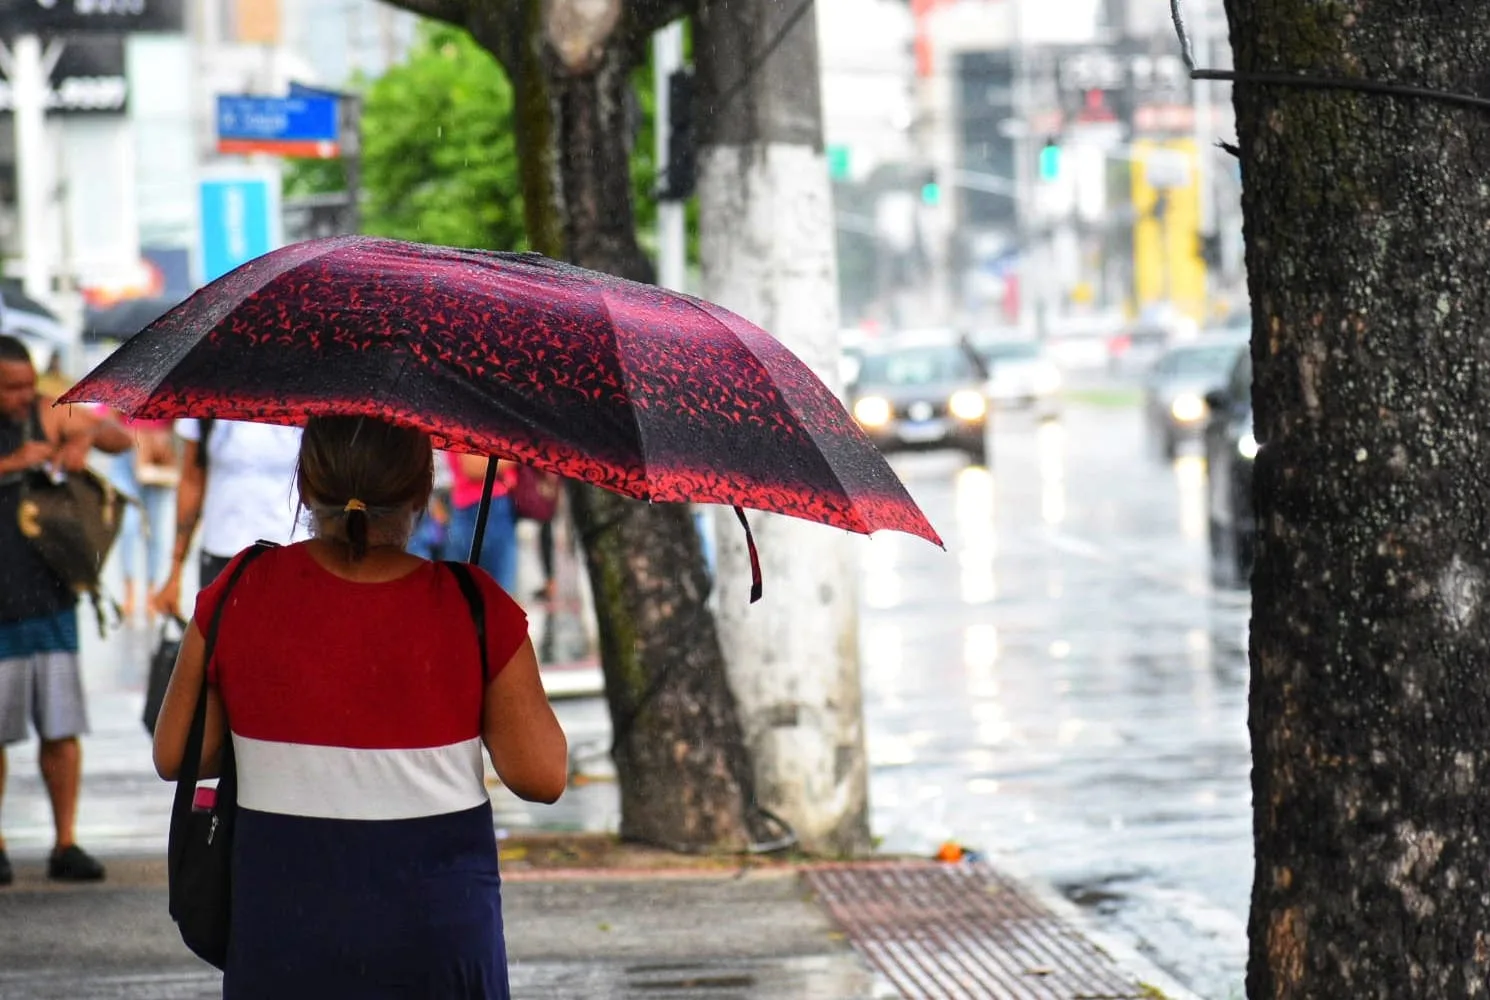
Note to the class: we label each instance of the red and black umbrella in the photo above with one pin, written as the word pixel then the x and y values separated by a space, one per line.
pixel 644 391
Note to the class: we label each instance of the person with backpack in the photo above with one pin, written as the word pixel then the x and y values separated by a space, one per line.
pixel 358 685
pixel 237 480
pixel 41 682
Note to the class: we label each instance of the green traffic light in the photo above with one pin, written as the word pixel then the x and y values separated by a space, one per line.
pixel 1050 162
pixel 931 193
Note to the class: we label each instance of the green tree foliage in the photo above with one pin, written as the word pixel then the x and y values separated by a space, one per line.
pixel 439 157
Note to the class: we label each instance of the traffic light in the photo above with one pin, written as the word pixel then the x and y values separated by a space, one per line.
pixel 931 191
pixel 681 176
pixel 1210 249
pixel 1050 160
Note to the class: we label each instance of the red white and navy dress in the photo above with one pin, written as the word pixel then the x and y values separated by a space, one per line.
pixel 365 860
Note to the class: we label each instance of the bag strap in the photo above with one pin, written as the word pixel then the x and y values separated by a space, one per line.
pixel 186 780
pixel 472 593
pixel 34 430
pixel 204 431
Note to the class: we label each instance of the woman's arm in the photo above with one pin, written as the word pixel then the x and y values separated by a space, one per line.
pixel 189 491
pixel 521 733
pixel 180 705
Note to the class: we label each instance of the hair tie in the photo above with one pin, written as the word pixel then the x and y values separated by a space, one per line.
pixel 354 504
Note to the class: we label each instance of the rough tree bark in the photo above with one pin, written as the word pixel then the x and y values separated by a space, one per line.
pixel 683 772
pixel 1367 255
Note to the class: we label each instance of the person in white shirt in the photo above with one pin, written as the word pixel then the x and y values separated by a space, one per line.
pixel 242 489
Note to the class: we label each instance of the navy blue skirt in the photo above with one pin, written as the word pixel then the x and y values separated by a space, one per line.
pixel 367 909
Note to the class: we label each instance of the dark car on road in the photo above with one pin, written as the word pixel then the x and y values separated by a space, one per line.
pixel 1175 388
pixel 923 391
pixel 1230 448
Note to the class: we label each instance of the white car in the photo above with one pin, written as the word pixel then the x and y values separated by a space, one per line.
pixel 1020 374
pixel 44 334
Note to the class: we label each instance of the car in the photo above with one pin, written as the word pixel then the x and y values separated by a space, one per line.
pixel 1020 374
pixel 923 391
pixel 1230 450
pixel 1175 387
pixel 52 345
pixel 1133 350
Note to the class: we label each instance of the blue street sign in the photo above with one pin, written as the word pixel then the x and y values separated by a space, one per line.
pixel 237 223
pixel 299 125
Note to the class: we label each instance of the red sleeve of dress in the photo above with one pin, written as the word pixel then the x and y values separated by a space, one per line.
pixel 506 622
pixel 208 598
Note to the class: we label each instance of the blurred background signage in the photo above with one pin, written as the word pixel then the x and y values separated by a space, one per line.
pixel 62 16
pixel 88 78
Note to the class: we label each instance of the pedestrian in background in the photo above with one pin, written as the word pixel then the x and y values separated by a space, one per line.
pixel 498 554
pixel 239 483
pixel 348 675
pixel 431 538
pixel 41 682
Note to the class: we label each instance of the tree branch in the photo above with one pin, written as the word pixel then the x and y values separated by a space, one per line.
pixel 643 18
pixel 453 11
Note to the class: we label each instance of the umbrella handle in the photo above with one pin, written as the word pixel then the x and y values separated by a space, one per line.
pixel 483 511
pixel 755 557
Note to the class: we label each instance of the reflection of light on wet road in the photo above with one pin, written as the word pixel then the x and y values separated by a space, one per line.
pixel 974 500
pixel 1050 439
pixel 993 727
pixel 883 661
pixel 1203 677
pixel 980 645
pixel 882 582
pixel 1189 477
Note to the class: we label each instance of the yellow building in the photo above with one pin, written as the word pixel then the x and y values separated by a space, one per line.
pixel 1167 266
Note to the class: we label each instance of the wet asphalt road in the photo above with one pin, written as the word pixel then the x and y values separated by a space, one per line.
pixel 1065 688
pixel 1062 688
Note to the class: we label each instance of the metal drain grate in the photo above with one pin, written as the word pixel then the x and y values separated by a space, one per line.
pixel 960 931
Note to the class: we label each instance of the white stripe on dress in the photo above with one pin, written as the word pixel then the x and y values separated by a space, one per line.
pixel 297 779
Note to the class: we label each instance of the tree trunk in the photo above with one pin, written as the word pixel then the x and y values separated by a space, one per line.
pixel 682 770
pixel 766 224
pixel 1366 258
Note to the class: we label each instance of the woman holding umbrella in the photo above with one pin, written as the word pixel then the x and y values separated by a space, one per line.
pixel 348 675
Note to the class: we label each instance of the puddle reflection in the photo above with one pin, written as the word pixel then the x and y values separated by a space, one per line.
pixel 975 504
pixel 1189 478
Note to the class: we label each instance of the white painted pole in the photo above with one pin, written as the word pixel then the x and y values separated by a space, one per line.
pixel 28 83
pixel 672 236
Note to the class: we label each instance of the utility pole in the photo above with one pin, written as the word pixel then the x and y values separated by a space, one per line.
pixel 672 236
pixel 768 253
pixel 29 65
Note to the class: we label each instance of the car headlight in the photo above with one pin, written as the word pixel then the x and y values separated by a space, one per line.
pixel 967 404
pixel 872 411
pixel 1246 446
pixel 1187 407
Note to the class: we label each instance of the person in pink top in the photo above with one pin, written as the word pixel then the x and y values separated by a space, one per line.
pixel 498 554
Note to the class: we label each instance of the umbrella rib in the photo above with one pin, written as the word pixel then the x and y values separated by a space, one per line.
pixel 641 444
pixel 842 486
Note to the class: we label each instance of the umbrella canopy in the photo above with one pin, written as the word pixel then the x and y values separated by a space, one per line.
pixel 644 391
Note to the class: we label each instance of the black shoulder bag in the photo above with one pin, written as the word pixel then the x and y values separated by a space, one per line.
pixel 199 852
pixel 472 593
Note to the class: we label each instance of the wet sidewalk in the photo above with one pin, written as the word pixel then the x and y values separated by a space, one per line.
pixel 859 931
